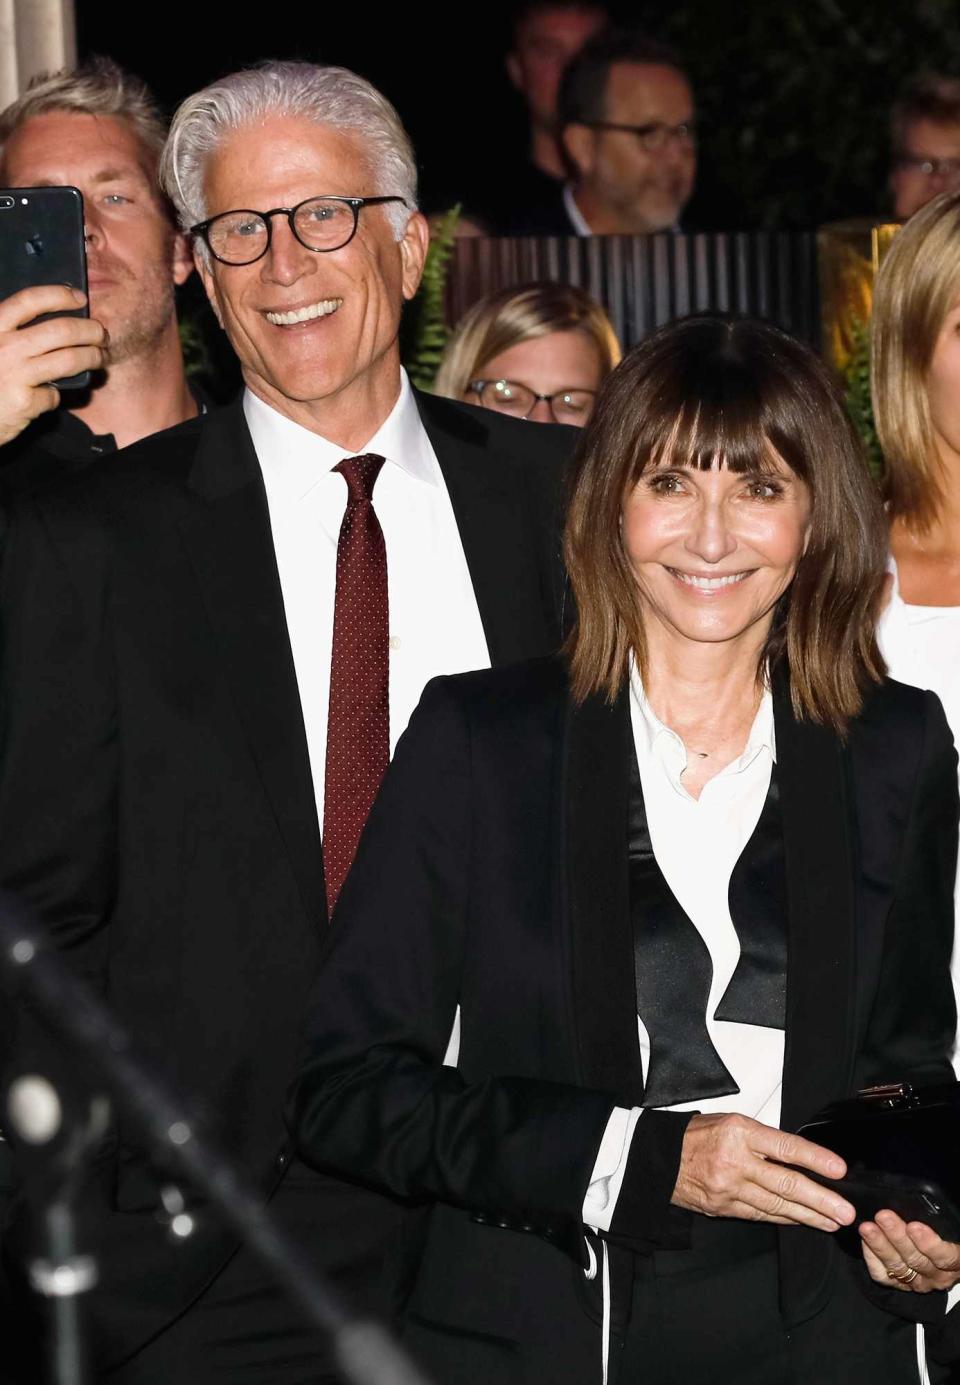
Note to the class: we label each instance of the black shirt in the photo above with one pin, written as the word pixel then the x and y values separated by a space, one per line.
pixel 54 445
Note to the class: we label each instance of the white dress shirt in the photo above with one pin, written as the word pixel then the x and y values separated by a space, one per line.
pixel 435 624
pixel 697 843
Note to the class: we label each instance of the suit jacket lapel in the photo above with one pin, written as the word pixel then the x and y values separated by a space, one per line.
pixel 490 508
pixel 821 914
pixel 818 834
pixel 596 786
pixel 231 549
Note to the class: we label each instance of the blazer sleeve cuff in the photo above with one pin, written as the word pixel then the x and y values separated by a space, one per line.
pixel 644 1214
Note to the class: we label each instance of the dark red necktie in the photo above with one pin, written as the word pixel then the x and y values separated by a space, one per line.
pixel 358 722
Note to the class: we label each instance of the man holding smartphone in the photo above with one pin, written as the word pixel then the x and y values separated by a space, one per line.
pixel 97 129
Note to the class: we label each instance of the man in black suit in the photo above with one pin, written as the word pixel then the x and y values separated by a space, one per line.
pixel 171 628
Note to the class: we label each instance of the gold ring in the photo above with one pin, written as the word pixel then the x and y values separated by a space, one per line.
pixel 901 1277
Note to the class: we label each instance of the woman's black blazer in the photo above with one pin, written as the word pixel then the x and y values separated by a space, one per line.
pixel 493 875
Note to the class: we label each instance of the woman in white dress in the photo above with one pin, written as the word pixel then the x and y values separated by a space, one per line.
pixel 916 401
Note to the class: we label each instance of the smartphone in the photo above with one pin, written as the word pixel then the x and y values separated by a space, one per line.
pixel 42 242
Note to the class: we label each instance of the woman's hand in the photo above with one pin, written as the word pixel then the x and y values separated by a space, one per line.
pixel 893 1249
pixel 732 1166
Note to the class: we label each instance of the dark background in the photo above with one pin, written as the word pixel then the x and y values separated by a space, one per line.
pixel 793 97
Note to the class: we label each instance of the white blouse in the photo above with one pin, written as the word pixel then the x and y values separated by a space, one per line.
pixel 697 843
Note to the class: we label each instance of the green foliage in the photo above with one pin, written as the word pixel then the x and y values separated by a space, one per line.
pixel 194 344
pixel 210 362
pixel 427 332
pixel 857 395
pixel 794 98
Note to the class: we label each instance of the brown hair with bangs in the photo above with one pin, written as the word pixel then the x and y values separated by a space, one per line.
pixel 714 391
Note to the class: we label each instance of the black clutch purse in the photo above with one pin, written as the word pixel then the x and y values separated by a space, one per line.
pixel 901 1145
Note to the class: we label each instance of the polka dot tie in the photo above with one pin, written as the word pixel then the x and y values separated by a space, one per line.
pixel 358 722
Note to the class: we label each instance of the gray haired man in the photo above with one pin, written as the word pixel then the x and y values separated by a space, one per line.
pixel 226 638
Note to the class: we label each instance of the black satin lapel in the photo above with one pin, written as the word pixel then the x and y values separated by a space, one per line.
pixel 491 511
pixel 230 546
pixel 757 993
pixel 597 765
pixel 821 948
pixel 673 972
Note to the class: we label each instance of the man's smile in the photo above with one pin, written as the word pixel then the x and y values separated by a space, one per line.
pixel 291 317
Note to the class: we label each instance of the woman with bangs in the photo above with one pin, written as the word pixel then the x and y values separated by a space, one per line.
pixel 623 920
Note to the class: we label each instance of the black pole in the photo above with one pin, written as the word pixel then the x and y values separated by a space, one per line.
pixel 31 970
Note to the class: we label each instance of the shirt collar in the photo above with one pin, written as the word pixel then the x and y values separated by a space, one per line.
pixel 653 738
pixel 577 219
pixel 294 459
pixel 70 439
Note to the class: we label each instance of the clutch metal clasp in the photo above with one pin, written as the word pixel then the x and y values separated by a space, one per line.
pixel 887 1093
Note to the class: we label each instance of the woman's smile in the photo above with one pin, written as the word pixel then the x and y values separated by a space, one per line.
pixel 713 550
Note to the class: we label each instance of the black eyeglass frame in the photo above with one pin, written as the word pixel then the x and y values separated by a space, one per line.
pixel 478 386
pixel 685 130
pixel 202 228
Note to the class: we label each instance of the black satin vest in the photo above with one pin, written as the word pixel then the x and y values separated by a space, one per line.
pixel 672 962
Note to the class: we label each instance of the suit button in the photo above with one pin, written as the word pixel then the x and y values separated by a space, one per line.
pixel 283 1159
pixel 504 1223
pixel 527 1227
pixel 480 1218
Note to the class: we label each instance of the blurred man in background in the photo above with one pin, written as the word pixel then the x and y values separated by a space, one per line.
pixel 627 112
pixel 925 140
pixel 547 34
pixel 626 115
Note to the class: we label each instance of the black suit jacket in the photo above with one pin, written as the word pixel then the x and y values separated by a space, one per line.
pixel 493 875
pixel 156 801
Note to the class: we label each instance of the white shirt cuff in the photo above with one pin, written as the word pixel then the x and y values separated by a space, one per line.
pixel 609 1168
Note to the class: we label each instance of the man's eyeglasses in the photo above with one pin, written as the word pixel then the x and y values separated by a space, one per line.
pixel 929 168
pixel 654 137
pixel 510 397
pixel 320 224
